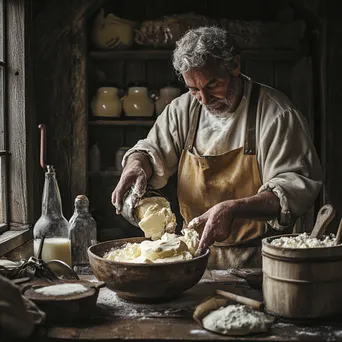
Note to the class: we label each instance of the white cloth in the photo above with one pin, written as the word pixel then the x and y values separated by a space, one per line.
pixel 288 163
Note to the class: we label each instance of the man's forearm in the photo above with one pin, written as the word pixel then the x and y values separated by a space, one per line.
pixel 141 160
pixel 263 206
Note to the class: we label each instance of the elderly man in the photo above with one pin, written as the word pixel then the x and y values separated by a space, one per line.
pixel 247 167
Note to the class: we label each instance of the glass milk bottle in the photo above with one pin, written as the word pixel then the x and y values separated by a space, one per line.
pixel 82 231
pixel 52 224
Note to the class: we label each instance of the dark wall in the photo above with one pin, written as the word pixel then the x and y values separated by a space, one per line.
pixel 54 85
pixel 331 130
pixel 55 68
pixel 51 63
pixel 53 41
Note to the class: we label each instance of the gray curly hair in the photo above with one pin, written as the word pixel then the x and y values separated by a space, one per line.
pixel 197 45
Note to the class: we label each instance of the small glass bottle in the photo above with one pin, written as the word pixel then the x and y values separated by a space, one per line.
pixel 82 231
pixel 52 224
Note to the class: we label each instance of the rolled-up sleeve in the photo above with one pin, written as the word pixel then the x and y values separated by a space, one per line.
pixel 165 142
pixel 290 167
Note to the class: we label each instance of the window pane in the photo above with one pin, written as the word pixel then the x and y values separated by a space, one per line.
pixel 1 194
pixel 3 211
pixel 2 109
pixel 1 30
pixel 3 197
pixel 2 191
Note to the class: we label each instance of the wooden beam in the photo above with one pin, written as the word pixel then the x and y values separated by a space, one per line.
pixel 63 26
pixel 167 54
pixel 79 109
pixel 144 123
pixel 60 90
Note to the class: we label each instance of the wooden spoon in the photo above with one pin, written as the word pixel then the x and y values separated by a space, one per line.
pixel 339 232
pixel 324 217
pixel 254 304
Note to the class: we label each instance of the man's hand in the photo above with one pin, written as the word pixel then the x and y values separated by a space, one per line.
pixel 136 173
pixel 217 221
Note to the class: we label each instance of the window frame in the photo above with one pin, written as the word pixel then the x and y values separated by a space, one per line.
pixel 19 124
pixel 4 214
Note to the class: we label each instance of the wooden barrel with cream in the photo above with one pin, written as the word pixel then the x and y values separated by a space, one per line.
pixel 302 283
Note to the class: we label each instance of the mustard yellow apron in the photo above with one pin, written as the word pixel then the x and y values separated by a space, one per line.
pixel 205 181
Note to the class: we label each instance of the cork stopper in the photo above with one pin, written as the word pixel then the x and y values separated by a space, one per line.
pixel 50 168
pixel 81 201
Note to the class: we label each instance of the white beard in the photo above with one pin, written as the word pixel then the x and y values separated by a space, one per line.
pixel 226 103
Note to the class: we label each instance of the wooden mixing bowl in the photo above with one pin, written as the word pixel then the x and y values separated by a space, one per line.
pixel 145 283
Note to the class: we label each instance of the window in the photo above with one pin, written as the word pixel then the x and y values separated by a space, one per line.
pixel 16 173
pixel 3 127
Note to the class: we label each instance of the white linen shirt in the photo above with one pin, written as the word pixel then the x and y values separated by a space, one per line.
pixel 288 162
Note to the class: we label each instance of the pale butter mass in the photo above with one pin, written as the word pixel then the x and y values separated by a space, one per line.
pixel 169 248
pixel 155 217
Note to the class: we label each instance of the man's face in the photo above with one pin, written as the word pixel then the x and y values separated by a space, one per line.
pixel 213 87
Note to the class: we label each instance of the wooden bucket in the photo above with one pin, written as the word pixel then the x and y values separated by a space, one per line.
pixel 302 283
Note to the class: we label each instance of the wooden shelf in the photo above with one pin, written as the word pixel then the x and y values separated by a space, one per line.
pixel 270 54
pixel 145 123
pixel 104 173
pixel 131 54
pixel 276 54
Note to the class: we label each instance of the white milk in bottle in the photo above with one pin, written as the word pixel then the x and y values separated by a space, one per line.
pixel 52 224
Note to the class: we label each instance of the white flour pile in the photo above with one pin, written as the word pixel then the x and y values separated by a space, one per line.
pixel 237 320
pixel 304 241
pixel 61 289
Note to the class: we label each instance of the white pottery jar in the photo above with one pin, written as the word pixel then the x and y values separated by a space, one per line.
pixel 166 95
pixel 106 102
pixel 138 102
pixel 111 32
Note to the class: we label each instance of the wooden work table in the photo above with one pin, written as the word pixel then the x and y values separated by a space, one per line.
pixel 115 319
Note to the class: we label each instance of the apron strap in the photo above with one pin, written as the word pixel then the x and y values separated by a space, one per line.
pixel 193 128
pixel 250 144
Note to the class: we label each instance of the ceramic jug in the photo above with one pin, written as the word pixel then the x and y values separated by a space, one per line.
pixel 166 95
pixel 111 32
pixel 106 102
pixel 138 102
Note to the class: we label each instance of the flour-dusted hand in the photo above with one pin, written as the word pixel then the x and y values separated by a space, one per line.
pixel 132 176
pixel 136 174
pixel 217 221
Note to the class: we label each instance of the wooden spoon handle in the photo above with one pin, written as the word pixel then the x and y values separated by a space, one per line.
pixel 98 284
pixel 324 217
pixel 254 304
pixel 42 146
pixel 339 232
